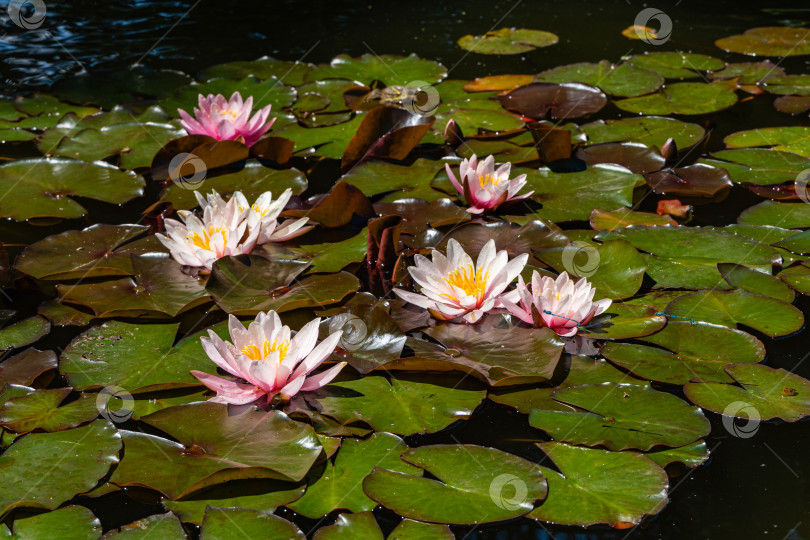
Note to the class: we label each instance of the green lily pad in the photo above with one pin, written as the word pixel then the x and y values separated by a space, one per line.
pixel 23 333
pixel 768 41
pixel 770 316
pixel 475 484
pixel 215 447
pixel 252 181
pixel 340 484
pixel 43 470
pixel 409 529
pixel 625 80
pixel 508 41
pixel 63 315
pixel 797 277
pixel 257 494
pixel 649 130
pixel 624 217
pixel 45 105
pixel 599 486
pixel 760 166
pixel 794 139
pixel 165 526
pixel 221 523
pixel 691 351
pixel 360 526
pixel 777 214
pixel 331 256
pixel 41 410
pixel 376 177
pixel 772 393
pixel 681 98
pixel 785 85
pixel 392 70
pixel 97 251
pixel 748 72
pixel 159 289
pixel 401 405
pixel 623 321
pixel 797 243
pixel 291 73
pixel 135 357
pixel 24 368
pixel 331 141
pixel 690 455
pixel 43 187
pixel 621 416
pixel 677 65
pixel 755 282
pixel 68 523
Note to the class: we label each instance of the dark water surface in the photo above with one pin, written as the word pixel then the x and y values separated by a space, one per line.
pixel 757 487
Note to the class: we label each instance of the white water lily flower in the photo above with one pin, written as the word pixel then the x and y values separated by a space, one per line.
pixel 558 304
pixel 452 286
pixel 264 215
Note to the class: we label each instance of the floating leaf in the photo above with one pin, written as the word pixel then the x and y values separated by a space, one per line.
pixel 215 447
pixel 25 367
pixel 331 141
pixel 165 526
pixel 755 282
pixel 690 455
pixel 291 73
pixel 677 65
pixel 324 257
pixel 637 157
pixel 223 522
pixel 402 405
pixel 507 41
pixel 475 484
pixel 624 217
pixel 771 393
pixel 797 277
pixel 625 80
pixel 681 98
pixel 340 484
pixel 794 139
pixel 23 333
pixel 566 100
pixel 697 180
pixel 43 470
pixel 768 41
pixel 621 416
pixel 785 85
pixel 747 72
pixel 792 104
pixel 404 182
pixel 73 522
pixel 401 70
pixel 44 187
pixel 385 133
pixel 416 213
pixel 760 166
pixel 623 321
pixel 41 410
pixel 777 214
pixel 497 82
pixel 649 130
pixel 599 486
pixel 361 526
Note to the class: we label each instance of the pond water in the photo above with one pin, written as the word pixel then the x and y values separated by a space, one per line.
pixel 757 486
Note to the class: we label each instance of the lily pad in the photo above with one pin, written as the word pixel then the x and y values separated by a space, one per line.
pixel 378 177
pixel 677 65
pixel 291 73
pixel 359 526
pixel 69 523
pixel 566 100
pixel 43 187
pixel 340 484
pixel 624 80
pixel 215 447
pixel 624 217
pixel 755 282
pixel 165 526
pixel 508 41
pixel 23 333
pixel 760 166
pixel 135 357
pixel 475 484
pixel 400 405
pixel 747 72
pixel 681 98
pixel 649 130
pixel 323 257
pixel 24 368
pixel 401 70
pixel 690 455
pixel 220 524
pixel 599 486
pixel 43 470
pixel 777 214
pixel 768 41
pixel 331 141
pixel 41 410
pixel 794 139
pixel 623 321
pixel 773 393
pixel 797 277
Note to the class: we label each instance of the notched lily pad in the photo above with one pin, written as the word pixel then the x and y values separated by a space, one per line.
pixel 768 41
pixel 507 41
pixel 566 100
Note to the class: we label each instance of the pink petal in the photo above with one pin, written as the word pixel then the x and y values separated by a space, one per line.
pixel 229 391
pixel 325 377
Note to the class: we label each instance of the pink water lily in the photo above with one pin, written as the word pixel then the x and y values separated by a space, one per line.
pixel 267 361
pixel 558 304
pixel 485 188
pixel 452 286
pixel 227 120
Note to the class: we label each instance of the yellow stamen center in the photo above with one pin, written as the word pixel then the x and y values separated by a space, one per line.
pixel 488 179
pixel 253 352
pixel 233 114
pixel 260 210
pixel 209 232
pixel 472 282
